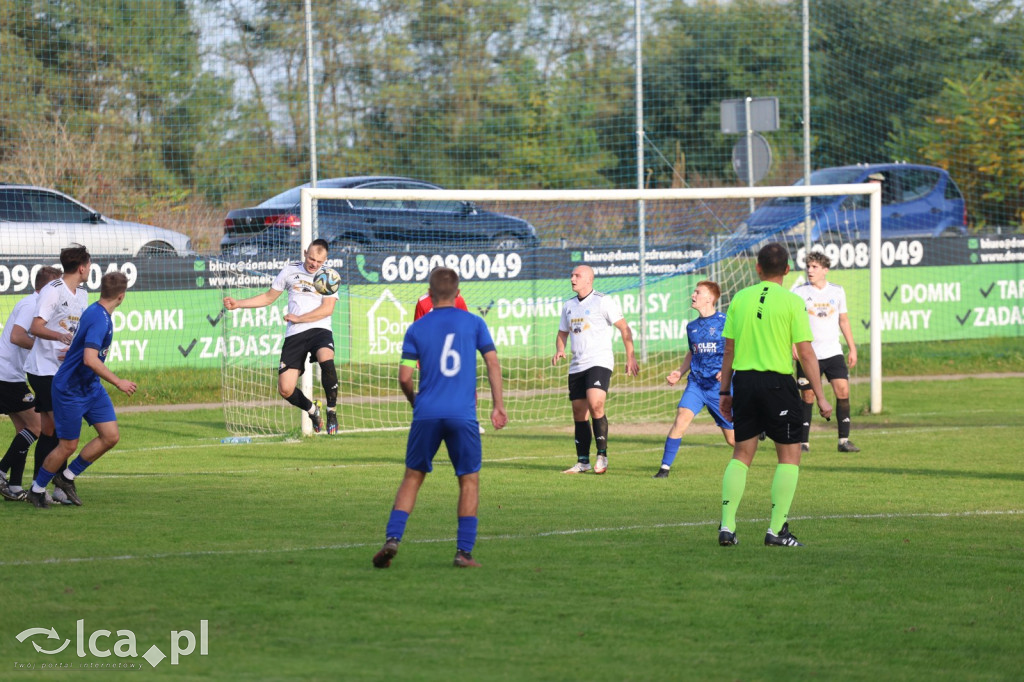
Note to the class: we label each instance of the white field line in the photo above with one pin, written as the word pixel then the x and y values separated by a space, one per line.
pixel 487 538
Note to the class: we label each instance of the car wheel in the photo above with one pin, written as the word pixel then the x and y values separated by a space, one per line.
pixel 506 242
pixel 156 250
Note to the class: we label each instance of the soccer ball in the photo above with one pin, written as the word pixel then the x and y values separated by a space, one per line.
pixel 326 281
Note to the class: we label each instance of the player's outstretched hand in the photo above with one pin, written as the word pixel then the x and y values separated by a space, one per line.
pixel 824 407
pixel 126 386
pixel 632 368
pixel 560 355
pixel 498 418
pixel 230 303
pixel 673 377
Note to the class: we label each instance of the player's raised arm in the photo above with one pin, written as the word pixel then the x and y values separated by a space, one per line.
pixel 257 301
pixel 325 310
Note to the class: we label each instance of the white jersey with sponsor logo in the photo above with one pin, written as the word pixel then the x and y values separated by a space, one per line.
pixel 13 356
pixel 591 324
pixel 61 309
pixel 297 282
pixel 824 306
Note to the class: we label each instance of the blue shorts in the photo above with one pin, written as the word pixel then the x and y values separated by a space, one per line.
pixel 695 397
pixel 461 437
pixel 69 410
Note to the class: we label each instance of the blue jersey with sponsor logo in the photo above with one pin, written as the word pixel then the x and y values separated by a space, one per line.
pixel 445 344
pixel 708 347
pixel 95 330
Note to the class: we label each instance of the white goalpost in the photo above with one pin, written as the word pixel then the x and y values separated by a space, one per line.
pixel 520 290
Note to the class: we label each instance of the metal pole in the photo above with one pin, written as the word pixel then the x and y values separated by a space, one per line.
pixel 310 101
pixel 307 377
pixel 875 297
pixel 750 147
pixel 807 118
pixel 640 214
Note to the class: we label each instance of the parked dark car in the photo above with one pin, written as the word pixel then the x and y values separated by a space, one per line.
pixel 40 221
pixel 272 227
pixel 917 201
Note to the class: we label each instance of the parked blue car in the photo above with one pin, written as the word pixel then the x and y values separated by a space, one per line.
pixel 917 201
pixel 272 227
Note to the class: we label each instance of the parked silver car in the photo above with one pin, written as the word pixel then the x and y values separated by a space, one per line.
pixel 38 221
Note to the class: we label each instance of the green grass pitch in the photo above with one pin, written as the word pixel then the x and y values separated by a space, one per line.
pixel 912 568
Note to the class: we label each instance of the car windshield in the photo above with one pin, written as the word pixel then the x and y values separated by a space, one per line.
pixel 828 176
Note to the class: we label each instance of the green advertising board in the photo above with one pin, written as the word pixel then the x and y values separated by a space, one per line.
pixel 190 328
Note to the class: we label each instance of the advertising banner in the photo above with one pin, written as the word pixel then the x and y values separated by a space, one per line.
pixel 933 289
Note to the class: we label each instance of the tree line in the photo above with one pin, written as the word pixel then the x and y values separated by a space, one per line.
pixel 152 104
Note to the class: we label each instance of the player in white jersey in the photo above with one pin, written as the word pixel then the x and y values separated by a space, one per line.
pixel 308 333
pixel 826 308
pixel 16 400
pixel 61 304
pixel 591 318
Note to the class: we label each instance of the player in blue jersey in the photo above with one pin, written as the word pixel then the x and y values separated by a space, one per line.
pixel 78 393
pixel 444 343
pixel 704 362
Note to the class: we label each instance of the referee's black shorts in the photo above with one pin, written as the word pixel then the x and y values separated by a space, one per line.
pixel 766 402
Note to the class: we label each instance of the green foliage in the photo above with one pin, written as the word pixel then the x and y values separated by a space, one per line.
pixel 705 53
pixel 973 129
pixel 120 102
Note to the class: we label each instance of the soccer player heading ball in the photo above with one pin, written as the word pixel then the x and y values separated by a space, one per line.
pixel 308 334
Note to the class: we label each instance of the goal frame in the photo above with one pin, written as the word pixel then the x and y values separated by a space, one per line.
pixel 873 190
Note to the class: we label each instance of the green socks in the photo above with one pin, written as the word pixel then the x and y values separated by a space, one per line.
pixel 783 490
pixel 733 483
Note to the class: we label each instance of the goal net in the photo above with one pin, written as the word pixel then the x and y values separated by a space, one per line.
pixel 514 252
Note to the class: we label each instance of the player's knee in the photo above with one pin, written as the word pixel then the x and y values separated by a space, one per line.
pixel 285 391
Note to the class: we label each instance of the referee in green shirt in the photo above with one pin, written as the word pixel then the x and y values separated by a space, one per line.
pixel 765 322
